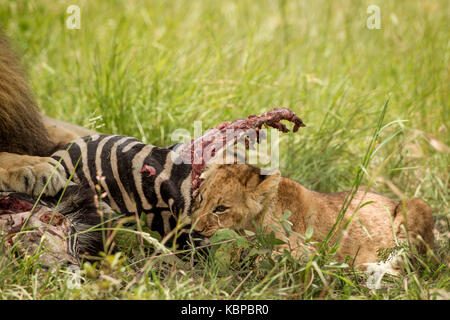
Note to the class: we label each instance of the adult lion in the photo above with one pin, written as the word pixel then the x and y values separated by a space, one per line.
pixel 27 138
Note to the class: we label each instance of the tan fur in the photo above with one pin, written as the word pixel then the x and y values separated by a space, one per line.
pixel 30 174
pixel 25 142
pixel 61 133
pixel 252 197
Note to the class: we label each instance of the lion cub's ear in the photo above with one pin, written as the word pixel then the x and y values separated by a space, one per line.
pixel 268 186
pixel 209 170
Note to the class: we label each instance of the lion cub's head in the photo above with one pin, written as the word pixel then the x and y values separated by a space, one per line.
pixel 231 196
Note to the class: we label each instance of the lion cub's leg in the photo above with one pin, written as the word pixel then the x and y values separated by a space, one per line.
pixel 296 246
pixel 413 222
pixel 293 243
pixel 29 174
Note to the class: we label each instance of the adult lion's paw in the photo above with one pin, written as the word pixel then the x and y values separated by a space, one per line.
pixel 31 175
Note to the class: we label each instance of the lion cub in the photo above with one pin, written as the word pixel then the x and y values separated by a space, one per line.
pixel 233 195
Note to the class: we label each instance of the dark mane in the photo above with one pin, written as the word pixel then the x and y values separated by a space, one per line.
pixel 21 128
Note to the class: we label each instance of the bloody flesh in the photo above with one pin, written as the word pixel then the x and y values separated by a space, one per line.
pixel 199 151
pixel 8 205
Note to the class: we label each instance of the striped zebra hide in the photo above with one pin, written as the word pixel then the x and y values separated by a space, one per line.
pixel 135 178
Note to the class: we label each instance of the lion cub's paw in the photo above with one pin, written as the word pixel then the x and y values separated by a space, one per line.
pixel 32 175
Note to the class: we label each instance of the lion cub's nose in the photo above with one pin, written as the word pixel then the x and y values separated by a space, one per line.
pixel 199 226
pixel 199 229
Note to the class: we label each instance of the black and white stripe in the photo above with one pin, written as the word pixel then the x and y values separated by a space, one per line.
pixel 115 162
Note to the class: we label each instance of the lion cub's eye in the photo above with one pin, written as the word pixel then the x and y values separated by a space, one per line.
pixel 220 209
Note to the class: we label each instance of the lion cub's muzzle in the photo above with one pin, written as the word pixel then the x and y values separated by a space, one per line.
pixel 199 239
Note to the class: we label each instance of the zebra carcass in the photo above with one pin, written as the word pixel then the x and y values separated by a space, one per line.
pixel 54 230
pixel 136 178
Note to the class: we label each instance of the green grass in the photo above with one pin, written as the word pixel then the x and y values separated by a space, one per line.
pixel 147 68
